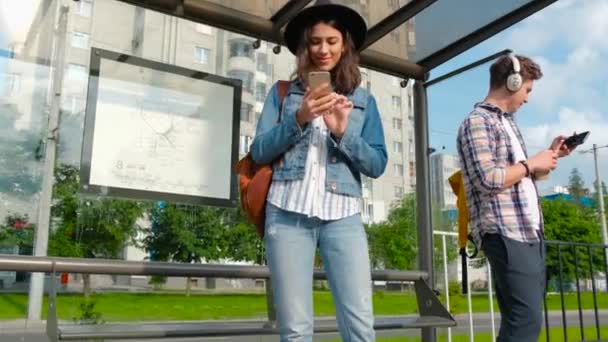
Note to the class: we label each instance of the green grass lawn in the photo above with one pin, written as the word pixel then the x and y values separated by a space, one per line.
pixel 163 306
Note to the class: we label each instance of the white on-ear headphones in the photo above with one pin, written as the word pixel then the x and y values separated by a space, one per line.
pixel 515 81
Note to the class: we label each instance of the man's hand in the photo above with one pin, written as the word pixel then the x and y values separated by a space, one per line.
pixel 543 162
pixel 558 146
pixel 315 103
pixel 336 119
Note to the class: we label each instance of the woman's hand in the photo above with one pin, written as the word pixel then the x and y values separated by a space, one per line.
pixel 315 103
pixel 337 118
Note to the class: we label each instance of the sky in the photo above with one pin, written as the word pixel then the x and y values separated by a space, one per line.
pixel 568 40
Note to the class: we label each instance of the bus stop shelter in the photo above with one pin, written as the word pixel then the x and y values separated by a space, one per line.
pixel 437 31
pixel 442 29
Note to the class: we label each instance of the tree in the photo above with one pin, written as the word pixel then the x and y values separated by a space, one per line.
pixel 16 231
pixel 393 243
pixel 568 221
pixel 187 234
pixel 84 228
pixel 576 185
pixel 241 240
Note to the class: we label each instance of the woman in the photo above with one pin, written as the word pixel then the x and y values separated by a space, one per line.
pixel 325 140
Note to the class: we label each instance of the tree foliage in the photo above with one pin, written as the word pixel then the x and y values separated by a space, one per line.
pixel 568 221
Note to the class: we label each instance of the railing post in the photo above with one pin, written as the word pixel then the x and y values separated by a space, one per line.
pixel 470 305
pixel 561 292
pixel 272 313
pixel 446 281
pixel 491 299
pixel 597 319
pixel 578 293
pixel 52 321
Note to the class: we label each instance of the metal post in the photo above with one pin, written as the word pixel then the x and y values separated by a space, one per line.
pixel 270 308
pixel 46 193
pixel 446 280
pixel 591 272
pixel 423 192
pixel 561 292
pixel 470 306
pixel 491 299
pixel 600 193
pixel 581 323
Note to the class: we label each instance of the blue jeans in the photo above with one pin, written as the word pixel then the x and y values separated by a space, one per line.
pixel 291 241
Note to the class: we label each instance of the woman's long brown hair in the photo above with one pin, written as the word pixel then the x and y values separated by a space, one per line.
pixel 345 76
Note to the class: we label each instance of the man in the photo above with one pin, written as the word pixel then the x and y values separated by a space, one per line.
pixel 499 179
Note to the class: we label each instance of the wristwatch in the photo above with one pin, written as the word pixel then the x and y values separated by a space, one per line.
pixel 525 164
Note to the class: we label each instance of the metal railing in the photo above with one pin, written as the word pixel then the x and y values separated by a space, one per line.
pixel 431 311
pixel 557 252
pixel 577 250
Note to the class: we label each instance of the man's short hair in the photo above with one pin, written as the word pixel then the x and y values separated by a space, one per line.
pixel 503 67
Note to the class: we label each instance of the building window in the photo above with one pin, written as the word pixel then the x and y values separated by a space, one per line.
pixel 241 48
pixel 393 4
pixel 77 73
pixel 11 84
pixel 399 191
pixel 245 76
pixel 85 8
pixel 395 36
pixel 411 35
pixel 397 146
pixel 245 143
pixel 396 102
pixel 204 29
pixel 397 123
pixel 260 91
pixel 246 112
pixel 262 63
pixel 398 170
pixel 202 55
pixel 80 40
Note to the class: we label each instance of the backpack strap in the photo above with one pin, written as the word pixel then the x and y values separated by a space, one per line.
pixel 282 88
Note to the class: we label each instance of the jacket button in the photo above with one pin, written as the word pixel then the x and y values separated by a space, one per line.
pixel 333 186
pixel 334 159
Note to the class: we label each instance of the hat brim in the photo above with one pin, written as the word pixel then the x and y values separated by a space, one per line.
pixel 348 17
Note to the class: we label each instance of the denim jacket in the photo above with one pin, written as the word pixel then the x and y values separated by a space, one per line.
pixel 360 150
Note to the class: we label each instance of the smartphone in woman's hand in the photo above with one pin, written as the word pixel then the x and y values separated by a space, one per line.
pixel 317 79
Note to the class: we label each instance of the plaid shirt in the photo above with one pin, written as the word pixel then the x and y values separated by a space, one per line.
pixel 485 152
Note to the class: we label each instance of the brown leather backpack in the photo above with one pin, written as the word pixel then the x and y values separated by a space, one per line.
pixel 255 179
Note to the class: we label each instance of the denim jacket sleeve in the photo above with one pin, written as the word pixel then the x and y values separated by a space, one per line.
pixel 272 138
pixel 366 149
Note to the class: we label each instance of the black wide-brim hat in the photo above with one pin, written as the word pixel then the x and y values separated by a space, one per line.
pixel 324 9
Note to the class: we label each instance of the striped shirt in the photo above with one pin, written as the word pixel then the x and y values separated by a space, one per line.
pixel 309 196
pixel 486 150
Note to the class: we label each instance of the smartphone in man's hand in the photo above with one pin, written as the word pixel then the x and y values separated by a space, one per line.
pixel 576 139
